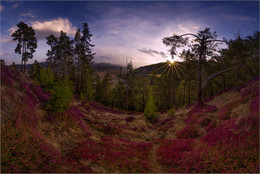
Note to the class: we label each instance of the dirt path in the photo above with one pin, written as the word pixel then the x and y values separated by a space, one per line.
pixel 155 166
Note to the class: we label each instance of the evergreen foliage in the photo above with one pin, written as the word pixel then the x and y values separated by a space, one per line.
pixel 150 109
pixel 171 112
pixel 62 94
pixel 45 78
pixel 27 42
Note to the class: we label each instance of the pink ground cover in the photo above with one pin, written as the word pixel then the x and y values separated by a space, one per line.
pixel 114 154
pixel 224 112
pixel 76 115
pixel 189 131
pixel 251 88
pixel 198 111
pixel 25 150
pixel 42 95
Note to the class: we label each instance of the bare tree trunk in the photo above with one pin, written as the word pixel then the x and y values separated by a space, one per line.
pixel 212 76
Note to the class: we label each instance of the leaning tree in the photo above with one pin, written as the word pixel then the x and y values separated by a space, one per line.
pixel 27 42
pixel 204 44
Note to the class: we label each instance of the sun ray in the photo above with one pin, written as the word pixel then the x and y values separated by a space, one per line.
pixel 165 65
pixel 172 69
pixel 165 69
pixel 180 68
pixel 176 71
pixel 169 68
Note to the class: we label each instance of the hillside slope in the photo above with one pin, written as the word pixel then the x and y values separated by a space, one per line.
pixel 220 136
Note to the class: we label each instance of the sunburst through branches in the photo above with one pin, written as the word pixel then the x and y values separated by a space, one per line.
pixel 171 66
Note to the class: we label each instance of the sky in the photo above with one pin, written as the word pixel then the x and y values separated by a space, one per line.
pixel 125 30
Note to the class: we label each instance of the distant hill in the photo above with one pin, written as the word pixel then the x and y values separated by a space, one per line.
pixel 148 69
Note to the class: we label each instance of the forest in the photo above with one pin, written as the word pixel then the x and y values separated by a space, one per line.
pixel 204 71
pixel 198 114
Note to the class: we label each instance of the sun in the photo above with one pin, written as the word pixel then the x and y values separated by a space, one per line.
pixel 171 61
pixel 171 65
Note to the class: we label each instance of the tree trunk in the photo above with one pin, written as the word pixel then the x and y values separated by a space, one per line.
pixel 224 82
pixel 189 93
pixel 79 81
pixel 64 69
pixel 161 104
pixel 211 77
pixel 21 68
pixel 82 88
pixel 24 60
pixel 199 93
pixel 126 98
pixel 183 102
pixel 143 99
pixel 173 92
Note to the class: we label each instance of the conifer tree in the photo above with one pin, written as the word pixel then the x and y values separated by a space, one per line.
pixel 204 45
pixel 35 70
pixel 60 56
pixel 27 43
pixel 118 93
pixel 84 57
pixel 106 88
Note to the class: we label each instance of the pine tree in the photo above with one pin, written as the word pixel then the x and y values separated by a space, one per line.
pixel 60 57
pixel 35 70
pixel 98 89
pixel 118 92
pixel 66 50
pixel 27 43
pixel 84 57
pixel 203 45
pixel 106 88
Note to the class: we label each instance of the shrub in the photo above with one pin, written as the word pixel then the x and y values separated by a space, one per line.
pixel 46 78
pixel 150 109
pixel 61 97
pixel 171 112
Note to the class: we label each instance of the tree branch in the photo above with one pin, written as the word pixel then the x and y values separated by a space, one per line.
pixel 216 41
pixel 191 35
pixel 212 76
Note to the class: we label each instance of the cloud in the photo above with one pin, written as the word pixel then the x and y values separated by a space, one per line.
pixel 54 27
pixel 44 29
pixel 152 52
pixel 1 8
pixel 187 28
pixel 29 14
pixel 7 39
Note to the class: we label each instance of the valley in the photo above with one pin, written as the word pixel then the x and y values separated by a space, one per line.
pixel 222 135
